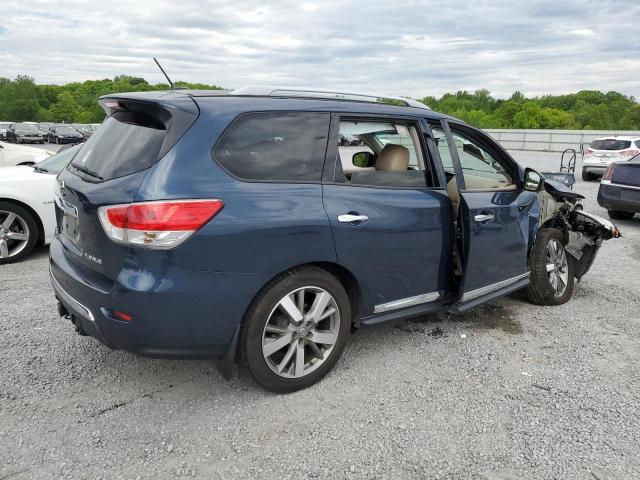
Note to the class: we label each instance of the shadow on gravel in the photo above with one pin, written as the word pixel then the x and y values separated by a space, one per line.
pixel 489 317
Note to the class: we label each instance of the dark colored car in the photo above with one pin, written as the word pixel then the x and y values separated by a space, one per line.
pixel 195 224
pixel 44 128
pixel 64 134
pixel 24 133
pixel 619 189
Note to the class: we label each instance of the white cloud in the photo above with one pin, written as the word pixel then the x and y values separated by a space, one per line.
pixel 411 48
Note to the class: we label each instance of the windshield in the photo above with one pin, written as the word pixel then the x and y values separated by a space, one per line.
pixel 25 126
pixel 610 144
pixel 56 163
pixel 65 130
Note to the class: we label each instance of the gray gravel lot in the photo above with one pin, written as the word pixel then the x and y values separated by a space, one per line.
pixel 508 390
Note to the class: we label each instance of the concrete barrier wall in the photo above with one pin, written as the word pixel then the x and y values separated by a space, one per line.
pixel 551 140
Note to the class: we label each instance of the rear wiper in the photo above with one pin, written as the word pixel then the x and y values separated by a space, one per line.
pixel 40 169
pixel 89 172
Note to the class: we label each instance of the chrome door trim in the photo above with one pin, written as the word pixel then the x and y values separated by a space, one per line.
pixel 80 308
pixel 406 302
pixel 478 292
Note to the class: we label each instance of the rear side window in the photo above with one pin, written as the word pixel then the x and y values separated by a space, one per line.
pixel 610 144
pixel 128 142
pixel 282 146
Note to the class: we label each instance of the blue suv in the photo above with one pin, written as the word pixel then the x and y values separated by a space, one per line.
pixel 264 224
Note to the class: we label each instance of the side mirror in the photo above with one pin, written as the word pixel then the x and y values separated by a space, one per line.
pixel 533 181
pixel 363 159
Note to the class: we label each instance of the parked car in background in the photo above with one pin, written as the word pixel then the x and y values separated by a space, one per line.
pixel 12 155
pixel 44 128
pixel 24 132
pixel 27 216
pixel 3 130
pixel 194 223
pixel 62 133
pixel 619 189
pixel 605 150
pixel 89 130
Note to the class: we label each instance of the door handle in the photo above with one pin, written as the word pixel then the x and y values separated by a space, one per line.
pixel 352 218
pixel 483 217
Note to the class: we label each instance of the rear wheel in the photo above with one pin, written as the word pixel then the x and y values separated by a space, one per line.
pixel 620 215
pixel 296 329
pixel 586 176
pixel 552 277
pixel 18 232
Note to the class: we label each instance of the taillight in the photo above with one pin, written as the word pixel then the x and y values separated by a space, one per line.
pixel 589 151
pixel 608 173
pixel 629 153
pixel 162 224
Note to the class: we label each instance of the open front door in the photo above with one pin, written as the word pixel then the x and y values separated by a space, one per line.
pixel 493 214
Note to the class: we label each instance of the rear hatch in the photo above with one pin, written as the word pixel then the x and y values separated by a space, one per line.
pixel 608 149
pixel 108 170
pixel 627 173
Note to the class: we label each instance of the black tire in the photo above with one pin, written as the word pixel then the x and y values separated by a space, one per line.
pixel 33 231
pixel 57 141
pixel 620 215
pixel 540 290
pixel 258 314
pixel 586 176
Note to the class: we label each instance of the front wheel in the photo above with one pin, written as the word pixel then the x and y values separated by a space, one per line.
pixel 296 329
pixel 552 279
pixel 18 233
pixel 586 176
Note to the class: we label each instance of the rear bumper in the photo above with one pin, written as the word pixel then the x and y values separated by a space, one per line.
pixel 619 197
pixel 594 169
pixel 177 313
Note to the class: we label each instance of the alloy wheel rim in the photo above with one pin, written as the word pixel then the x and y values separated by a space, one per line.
pixel 301 332
pixel 557 267
pixel 14 234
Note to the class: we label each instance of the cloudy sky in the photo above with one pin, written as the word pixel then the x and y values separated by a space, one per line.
pixel 414 48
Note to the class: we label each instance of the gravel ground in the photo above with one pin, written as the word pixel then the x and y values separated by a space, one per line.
pixel 508 390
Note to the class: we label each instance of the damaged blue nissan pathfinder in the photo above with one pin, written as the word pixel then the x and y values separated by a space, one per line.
pixel 241 225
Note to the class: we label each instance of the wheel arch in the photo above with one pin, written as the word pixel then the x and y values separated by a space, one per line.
pixel 27 207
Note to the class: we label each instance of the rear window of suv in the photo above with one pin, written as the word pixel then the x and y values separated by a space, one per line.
pixel 275 146
pixel 128 142
pixel 610 144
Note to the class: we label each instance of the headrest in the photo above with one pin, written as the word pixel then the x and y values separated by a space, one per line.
pixel 393 158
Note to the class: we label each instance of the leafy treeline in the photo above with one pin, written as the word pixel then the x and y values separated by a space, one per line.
pixel 23 100
pixel 585 110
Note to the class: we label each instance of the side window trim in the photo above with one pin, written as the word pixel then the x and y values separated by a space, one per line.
pixel 455 158
pixel 433 156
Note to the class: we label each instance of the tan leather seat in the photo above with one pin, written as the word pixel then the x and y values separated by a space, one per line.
pixel 454 195
pixel 393 158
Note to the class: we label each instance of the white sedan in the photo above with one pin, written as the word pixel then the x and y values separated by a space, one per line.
pixel 14 154
pixel 27 215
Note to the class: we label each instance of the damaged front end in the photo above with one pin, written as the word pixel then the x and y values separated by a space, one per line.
pixel 585 232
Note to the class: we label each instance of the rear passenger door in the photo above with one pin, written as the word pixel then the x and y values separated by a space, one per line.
pixel 391 220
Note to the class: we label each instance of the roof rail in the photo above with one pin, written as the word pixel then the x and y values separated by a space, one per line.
pixel 266 91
